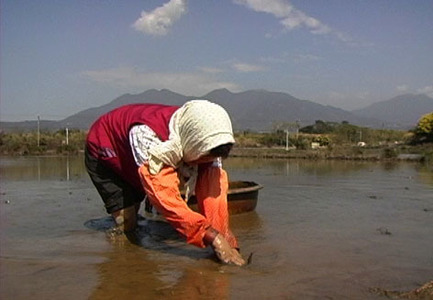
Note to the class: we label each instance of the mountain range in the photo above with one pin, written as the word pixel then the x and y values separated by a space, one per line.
pixel 400 111
pixel 259 110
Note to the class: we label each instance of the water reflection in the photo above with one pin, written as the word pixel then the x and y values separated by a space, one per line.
pixel 289 167
pixel 131 274
pixel 66 167
pixel 425 173
pixel 159 265
pixel 41 168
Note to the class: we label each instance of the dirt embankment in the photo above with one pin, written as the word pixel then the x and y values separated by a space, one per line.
pixel 340 153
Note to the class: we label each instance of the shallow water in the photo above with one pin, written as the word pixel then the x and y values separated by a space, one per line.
pixel 321 230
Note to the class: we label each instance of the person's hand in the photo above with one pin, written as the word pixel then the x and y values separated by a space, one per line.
pixel 225 252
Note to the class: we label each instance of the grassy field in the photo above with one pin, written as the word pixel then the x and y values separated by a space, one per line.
pixel 344 145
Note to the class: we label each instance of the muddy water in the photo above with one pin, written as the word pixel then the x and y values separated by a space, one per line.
pixel 321 230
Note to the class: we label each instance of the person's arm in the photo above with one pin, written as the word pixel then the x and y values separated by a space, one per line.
pixel 211 192
pixel 163 192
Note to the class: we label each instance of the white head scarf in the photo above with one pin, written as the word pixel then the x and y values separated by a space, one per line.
pixel 195 128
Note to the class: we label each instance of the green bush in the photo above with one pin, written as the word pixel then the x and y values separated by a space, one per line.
pixel 423 132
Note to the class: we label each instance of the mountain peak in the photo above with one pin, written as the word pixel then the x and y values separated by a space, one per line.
pixel 219 92
pixel 259 109
pixel 400 111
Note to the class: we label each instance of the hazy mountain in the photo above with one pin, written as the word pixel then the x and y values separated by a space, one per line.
pixel 260 109
pixel 400 112
pixel 249 110
pixel 85 118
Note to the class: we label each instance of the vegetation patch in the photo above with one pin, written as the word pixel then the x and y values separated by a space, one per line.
pixel 322 140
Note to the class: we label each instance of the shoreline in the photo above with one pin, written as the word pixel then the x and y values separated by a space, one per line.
pixel 419 153
pixel 414 154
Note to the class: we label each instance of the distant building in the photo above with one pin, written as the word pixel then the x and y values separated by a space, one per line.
pixel 315 145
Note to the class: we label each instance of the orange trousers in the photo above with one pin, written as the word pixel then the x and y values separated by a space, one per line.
pixel 211 189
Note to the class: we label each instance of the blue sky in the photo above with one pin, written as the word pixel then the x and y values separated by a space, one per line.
pixel 59 57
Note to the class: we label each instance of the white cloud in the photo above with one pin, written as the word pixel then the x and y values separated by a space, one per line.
pixel 306 58
pixel 428 90
pixel 278 8
pixel 185 83
pixel 289 16
pixel 246 68
pixel 289 57
pixel 160 20
pixel 402 88
pixel 273 60
pixel 210 70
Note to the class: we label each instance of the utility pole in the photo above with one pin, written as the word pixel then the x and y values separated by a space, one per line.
pixel 67 135
pixel 39 130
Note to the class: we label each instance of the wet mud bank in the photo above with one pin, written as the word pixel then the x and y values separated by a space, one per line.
pixel 344 153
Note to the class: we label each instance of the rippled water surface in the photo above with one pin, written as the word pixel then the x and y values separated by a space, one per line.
pixel 321 230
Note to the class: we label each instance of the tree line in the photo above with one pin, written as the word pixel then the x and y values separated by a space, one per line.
pixel 323 134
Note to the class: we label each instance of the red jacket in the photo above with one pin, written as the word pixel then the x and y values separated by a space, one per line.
pixel 108 137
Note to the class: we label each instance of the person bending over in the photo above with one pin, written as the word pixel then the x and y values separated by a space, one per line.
pixel 147 150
